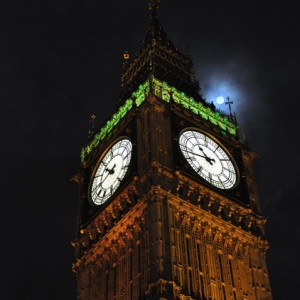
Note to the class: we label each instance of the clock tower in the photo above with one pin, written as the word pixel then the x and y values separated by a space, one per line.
pixel 167 205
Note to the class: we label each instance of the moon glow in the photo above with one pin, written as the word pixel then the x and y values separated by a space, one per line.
pixel 220 100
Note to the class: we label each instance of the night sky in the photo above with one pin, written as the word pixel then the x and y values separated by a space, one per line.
pixel 60 62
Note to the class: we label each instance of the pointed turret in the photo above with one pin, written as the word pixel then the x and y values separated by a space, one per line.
pixel 159 57
pixel 155 33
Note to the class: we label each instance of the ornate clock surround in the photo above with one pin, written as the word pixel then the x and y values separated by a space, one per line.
pixel 126 128
pixel 182 120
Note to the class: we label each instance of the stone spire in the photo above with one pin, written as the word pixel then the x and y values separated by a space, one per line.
pixel 159 57
pixel 153 6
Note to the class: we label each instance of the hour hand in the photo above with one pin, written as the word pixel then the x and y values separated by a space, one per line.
pixel 111 171
pixel 208 159
pixel 202 151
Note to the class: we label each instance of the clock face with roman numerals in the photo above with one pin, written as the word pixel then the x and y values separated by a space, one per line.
pixel 209 159
pixel 110 171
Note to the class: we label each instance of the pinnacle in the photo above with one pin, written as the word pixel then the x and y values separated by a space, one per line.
pixel 153 5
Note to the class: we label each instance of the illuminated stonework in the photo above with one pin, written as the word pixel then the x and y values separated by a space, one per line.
pixel 204 256
pixel 165 231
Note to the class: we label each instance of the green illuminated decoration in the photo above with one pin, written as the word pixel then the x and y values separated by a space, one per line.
pixel 122 111
pixel 139 97
pixel 141 94
pixel 165 92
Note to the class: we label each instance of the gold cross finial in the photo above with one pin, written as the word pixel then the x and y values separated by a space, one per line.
pixel 153 5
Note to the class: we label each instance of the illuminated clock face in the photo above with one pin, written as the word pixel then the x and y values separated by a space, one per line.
pixel 110 171
pixel 209 159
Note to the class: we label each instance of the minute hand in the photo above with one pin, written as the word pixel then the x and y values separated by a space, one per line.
pixel 206 157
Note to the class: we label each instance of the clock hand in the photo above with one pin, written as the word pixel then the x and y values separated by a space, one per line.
pixel 205 157
pixel 103 179
pixel 111 171
pixel 195 154
pixel 209 160
pixel 202 151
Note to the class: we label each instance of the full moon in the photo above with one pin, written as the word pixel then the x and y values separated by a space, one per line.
pixel 220 100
